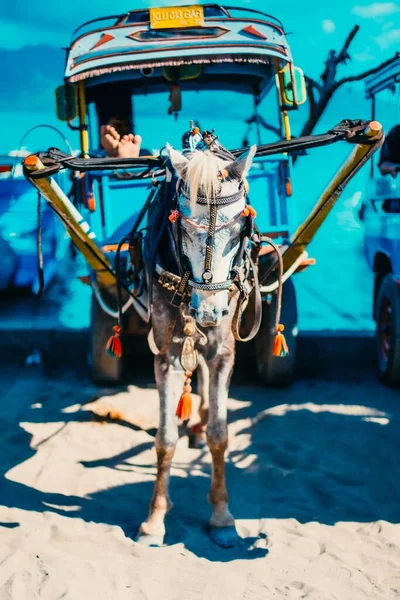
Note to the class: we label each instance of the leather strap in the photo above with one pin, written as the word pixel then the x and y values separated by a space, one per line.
pixel 167 337
pixel 256 292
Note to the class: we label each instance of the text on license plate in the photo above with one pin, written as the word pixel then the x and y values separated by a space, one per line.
pixel 176 16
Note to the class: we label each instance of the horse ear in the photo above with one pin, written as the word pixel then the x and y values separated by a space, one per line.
pixel 241 166
pixel 178 160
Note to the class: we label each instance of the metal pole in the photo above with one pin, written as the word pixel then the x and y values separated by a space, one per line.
pixel 83 120
pixel 373 118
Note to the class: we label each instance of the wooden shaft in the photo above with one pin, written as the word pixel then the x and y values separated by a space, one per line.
pixel 73 221
pixel 307 230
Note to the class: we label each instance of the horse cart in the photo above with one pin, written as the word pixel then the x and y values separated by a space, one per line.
pixel 380 213
pixel 197 71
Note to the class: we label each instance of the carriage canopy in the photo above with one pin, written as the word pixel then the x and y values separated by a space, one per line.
pixel 149 40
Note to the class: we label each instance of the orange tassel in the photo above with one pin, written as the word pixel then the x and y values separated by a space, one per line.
pixel 114 347
pixel 184 408
pixel 280 346
pixel 249 211
pixel 174 216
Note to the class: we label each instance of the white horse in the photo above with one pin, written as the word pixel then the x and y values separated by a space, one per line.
pixel 210 224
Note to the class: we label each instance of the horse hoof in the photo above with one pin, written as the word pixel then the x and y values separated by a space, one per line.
pixel 226 537
pixel 150 541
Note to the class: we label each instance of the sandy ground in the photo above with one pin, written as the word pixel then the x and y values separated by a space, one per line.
pixel 313 473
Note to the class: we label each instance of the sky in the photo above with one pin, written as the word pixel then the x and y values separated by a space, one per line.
pixel 33 35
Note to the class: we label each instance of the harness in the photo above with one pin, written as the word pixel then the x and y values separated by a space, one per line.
pixel 244 272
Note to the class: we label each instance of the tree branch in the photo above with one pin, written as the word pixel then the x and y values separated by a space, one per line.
pixel 259 119
pixel 365 74
pixel 343 55
pixel 313 83
pixel 311 96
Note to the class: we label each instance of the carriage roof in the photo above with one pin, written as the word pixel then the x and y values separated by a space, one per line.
pixel 228 41
pixel 387 77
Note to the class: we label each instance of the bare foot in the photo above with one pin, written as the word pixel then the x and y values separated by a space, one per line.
pixel 110 140
pixel 129 146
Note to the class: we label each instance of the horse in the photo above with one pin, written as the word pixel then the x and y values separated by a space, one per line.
pixel 194 317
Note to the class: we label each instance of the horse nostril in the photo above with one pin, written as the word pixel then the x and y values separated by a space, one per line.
pixel 225 312
pixel 192 311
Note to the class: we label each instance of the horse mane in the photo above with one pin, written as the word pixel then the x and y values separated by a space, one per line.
pixel 202 172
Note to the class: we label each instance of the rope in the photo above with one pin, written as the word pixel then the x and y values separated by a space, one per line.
pixel 119 282
pixel 109 311
pixel 280 279
pixel 39 247
pixel 210 238
pixel 257 306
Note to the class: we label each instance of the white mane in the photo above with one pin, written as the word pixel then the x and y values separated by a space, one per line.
pixel 202 172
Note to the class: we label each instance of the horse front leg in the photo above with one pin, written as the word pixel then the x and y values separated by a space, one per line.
pixel 197 433
pixel 222 524
pixel 169 379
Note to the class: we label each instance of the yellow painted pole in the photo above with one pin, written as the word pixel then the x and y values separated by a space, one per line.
pixel 286 125
pixel 305 233
pixel 285 116
pixel 74 223
pixel 83 120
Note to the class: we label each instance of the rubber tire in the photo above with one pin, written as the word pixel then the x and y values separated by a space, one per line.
pixel 389 369
pixel 105 369
pixel 277 370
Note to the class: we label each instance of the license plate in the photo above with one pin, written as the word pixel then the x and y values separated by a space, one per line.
pixel 176 17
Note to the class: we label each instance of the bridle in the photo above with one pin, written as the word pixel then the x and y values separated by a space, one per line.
pixel 239 264
pixel 243 267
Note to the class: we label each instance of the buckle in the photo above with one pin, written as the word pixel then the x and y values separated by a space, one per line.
pixel 177 299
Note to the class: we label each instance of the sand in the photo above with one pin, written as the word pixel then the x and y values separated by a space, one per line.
pixel 314 480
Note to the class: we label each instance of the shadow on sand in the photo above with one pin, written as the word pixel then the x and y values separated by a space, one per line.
pixel 319 452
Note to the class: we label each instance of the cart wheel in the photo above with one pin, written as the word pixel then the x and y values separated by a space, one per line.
pixel 388 331
pixel 104 368
pixel 277 370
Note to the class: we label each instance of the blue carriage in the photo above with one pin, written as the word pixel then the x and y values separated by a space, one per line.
pixel 225 70
pixel 219 66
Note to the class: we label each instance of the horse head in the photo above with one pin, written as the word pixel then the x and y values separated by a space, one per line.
pixel 211 227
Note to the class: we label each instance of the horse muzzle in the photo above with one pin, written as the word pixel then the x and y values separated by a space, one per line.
pixel 209 310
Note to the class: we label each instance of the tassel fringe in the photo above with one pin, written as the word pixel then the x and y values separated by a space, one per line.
pixel 184 408
pixel 114 347
pixel 249 211
pixel 280 346
pixel 174 216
